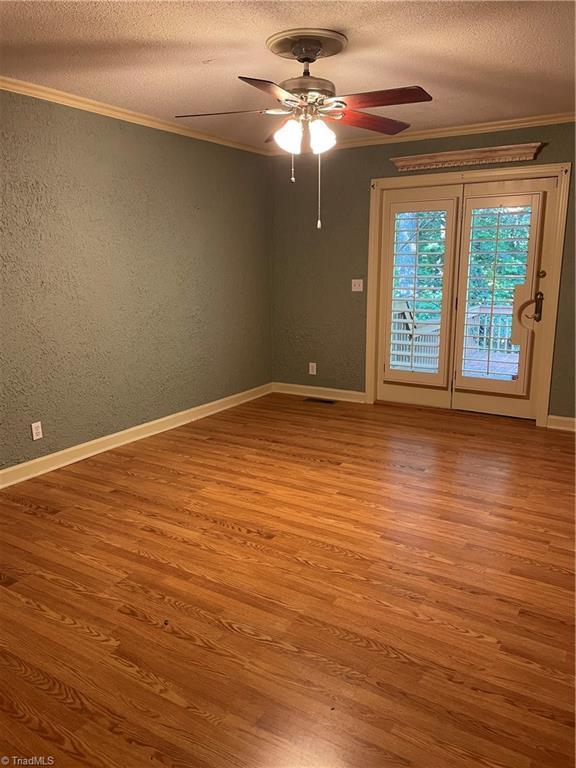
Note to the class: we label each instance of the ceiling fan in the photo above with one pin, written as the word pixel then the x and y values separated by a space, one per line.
pixel 308 101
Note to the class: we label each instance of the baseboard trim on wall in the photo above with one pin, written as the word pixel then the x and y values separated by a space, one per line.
pixel 307 390
pixel 566 423
pixel 29 469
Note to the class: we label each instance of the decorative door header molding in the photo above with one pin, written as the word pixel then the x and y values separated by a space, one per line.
pixel 508 153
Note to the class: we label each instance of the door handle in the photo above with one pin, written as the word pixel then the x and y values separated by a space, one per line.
pixel 538 301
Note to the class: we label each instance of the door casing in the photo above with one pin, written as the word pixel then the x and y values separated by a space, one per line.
pixel 554 261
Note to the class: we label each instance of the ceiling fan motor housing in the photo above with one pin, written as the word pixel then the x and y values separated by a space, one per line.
pixel 311 87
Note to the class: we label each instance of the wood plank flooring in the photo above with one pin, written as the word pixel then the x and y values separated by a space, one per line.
pixel 294 584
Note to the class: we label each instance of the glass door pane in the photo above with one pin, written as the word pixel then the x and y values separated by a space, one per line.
pixel 499 237
pixel 418 278
pixel 417 290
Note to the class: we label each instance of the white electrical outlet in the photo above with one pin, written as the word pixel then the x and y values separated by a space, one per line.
pixel 36 430
pixel 358 285
pixel 312 369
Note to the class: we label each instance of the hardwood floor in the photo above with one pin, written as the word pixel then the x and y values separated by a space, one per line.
pixel 294 584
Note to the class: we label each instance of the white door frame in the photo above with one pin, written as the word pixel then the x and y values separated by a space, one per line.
pixel 560 170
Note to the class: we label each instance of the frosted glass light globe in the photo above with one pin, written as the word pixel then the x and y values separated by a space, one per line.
pixel 289 137
pixel 321 137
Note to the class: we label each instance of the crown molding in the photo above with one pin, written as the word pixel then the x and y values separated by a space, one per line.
pixel 462 130
pixel 508 153
pixel 118 113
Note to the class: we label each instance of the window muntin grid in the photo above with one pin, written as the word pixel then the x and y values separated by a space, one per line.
pixel 417 290
pixel 497 263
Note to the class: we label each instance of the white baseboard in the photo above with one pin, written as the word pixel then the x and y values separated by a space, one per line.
pixel 29 469
pixel 306 390
pixel 566 423
pixel 51 461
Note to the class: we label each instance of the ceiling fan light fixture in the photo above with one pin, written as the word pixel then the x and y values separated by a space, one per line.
pixel 289 137
pixel 322 138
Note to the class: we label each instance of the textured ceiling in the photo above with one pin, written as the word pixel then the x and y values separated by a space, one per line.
pixel 481 61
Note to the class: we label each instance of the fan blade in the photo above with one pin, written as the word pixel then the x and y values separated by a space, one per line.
pixel 370 122
pixel 238 112
pixel 386 98
pixel 271 89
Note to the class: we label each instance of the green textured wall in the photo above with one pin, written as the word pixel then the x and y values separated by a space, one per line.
pixel 143 273
pixel 315 315
pixel 134 274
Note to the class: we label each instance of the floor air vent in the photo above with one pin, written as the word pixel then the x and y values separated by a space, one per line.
pixel 318 400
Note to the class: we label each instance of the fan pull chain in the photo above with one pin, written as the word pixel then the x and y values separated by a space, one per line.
pixel 319 222
pixel 292 177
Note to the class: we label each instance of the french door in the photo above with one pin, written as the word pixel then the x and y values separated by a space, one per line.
pixel 462 294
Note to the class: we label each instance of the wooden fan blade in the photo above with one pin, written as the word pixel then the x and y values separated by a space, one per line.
pixel 370 122
pixel 386 98
pixel 270 88
pixel 237 112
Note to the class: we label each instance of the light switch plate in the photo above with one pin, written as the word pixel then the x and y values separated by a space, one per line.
pixel 312 369
pixel 36 428
pixel 357 285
